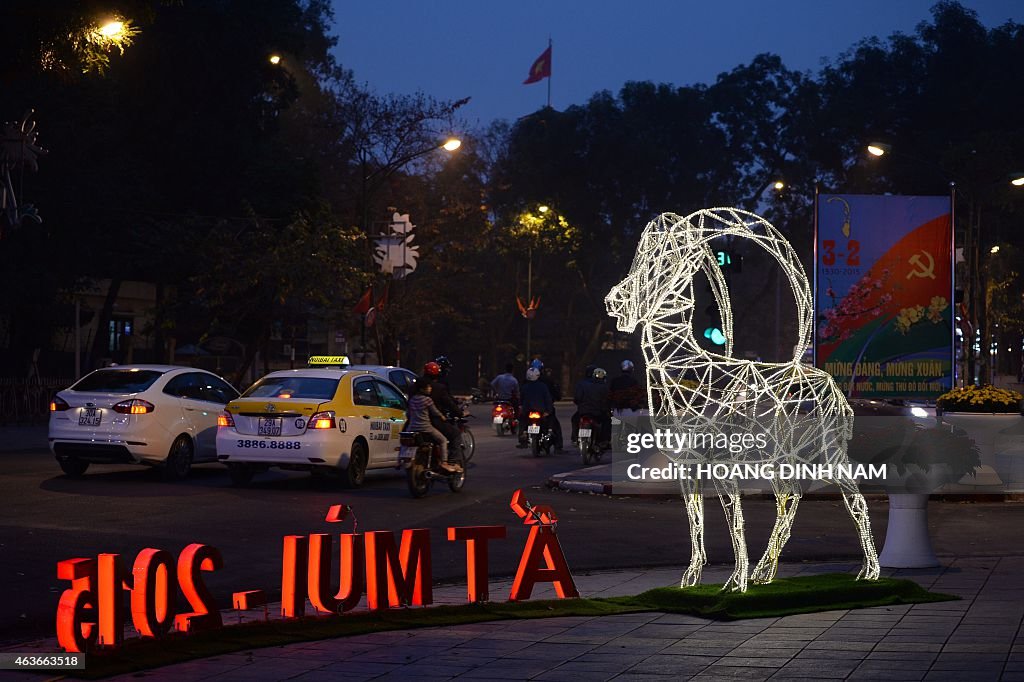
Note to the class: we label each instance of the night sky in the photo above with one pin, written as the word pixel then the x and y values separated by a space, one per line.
pixel 483 49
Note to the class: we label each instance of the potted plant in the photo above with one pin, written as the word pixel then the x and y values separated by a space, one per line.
pixel 982 412
pixel 918 460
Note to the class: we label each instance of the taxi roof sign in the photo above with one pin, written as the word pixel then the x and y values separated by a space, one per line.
pixel 328 361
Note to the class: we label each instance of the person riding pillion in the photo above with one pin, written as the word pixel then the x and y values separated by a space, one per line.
pixel 420 413
pixel 536 398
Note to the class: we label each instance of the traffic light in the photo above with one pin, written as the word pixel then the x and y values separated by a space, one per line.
pixel 729 261
pixel 713 329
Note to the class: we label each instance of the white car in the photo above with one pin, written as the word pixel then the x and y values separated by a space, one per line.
pixel 338 422
pixel 142 414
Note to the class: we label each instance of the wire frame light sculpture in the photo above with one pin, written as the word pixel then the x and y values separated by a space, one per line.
pixel 800 414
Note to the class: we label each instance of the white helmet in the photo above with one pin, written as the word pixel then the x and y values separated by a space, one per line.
pixel 532 374
pixel 627 365
pixel 600 374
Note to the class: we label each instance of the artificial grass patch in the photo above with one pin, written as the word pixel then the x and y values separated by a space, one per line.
pixel 785 596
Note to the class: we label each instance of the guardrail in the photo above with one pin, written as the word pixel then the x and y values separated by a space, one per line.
pixel 27 401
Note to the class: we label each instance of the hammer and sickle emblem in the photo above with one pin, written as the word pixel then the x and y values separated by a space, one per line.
pixel 920 269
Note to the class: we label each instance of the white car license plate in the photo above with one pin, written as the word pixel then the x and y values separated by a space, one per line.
pixel 584 433
pixel 533 428
pixel 269 426
pixel 89 416
pixel 498 420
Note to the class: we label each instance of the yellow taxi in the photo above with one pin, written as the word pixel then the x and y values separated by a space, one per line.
pixel 327 419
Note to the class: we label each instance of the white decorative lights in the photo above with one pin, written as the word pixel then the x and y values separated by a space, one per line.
pixel 803 415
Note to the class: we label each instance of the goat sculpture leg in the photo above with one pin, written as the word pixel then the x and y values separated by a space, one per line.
pixel 729 494
pixel 858 508
pixel 787 497
pixel 694 500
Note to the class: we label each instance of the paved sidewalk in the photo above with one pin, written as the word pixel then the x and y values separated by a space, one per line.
pixel 978 638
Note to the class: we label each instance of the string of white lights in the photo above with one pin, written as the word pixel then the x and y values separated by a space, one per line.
pixel 799 408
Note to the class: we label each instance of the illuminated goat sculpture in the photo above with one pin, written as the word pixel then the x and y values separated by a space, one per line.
pixel 800 410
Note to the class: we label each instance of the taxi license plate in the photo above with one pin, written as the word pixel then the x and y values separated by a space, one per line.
pixel 498 420
pixel 269 426
pixel 89 416
pixel 533 428
pixel 584 433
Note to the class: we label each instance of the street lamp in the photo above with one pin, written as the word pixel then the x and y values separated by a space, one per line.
pixel 1017 179
pixel 878 148
pixel 274 59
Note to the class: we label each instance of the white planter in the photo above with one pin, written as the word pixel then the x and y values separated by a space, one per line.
pixel 907 543
pixel 984 429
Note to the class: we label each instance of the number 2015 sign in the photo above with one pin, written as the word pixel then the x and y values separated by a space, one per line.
pixel 391 572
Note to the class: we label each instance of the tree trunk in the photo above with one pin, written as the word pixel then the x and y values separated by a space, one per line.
pixel 99 342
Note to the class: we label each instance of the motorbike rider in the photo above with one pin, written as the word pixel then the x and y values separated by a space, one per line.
pixel 624 391
pixel 591 398
pixel 445 403
pixel 536 398
pixel 446 367
pixel 421 413
pixel 506 387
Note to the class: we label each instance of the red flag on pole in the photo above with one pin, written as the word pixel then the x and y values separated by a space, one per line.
pixel 365 303
pixel 383 298
pixel 541 68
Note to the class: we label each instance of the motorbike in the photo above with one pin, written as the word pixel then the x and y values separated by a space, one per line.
pixel 421 457
pixel 504 418
pixel 468 441
pixel 477 395
pixel 587 437
pixel 540 438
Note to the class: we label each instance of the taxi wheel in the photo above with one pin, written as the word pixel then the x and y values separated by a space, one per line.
pixel 179 459
pixel 354 474
pixel 72 466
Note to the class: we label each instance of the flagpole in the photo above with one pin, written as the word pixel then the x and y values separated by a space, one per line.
pixel 551 70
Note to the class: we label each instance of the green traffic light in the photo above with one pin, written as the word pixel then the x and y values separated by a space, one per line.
pixel 715 335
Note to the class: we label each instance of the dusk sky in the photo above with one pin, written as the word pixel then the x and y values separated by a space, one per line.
pixel 483 49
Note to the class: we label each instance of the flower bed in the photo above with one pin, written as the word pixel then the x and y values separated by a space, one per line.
pixel 986 399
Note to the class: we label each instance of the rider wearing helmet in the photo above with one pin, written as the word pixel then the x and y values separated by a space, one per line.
pixel 446 367
pixel 536 398
pixel 547 376
pixel 625 392
pixel 448 406
pixel 591 398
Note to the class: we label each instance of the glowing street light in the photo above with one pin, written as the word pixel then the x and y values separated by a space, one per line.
pixel 878 148
pixel 1017 179
pixel 452 144
pixel 275 59
pixel 543 209
pixel 994 249
pixel 779 185
pixel 111 29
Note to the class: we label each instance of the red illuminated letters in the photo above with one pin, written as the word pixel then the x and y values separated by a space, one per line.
pixel 476 538
pixel 405 574
pixel 351 572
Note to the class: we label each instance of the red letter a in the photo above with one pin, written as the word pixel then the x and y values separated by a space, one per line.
pixel 542 545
